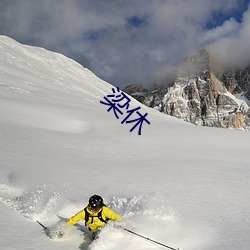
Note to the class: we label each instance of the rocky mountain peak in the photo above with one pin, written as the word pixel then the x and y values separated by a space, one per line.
pixel 200 96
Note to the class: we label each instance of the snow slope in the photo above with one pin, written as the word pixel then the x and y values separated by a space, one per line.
pixel 179 184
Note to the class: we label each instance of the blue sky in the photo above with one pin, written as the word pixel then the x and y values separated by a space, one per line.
pixel 131 41
pixel 218 17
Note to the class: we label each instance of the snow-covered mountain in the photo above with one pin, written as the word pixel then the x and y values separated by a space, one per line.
pixel 201 95
pixel 183 185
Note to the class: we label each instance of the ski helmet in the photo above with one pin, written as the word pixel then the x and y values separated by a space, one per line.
pixel 96 202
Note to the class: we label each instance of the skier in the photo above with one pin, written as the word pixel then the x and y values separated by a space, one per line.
pixel 95 214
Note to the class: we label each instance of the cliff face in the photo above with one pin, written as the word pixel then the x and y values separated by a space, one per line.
pixel 237 81
pixel 201 97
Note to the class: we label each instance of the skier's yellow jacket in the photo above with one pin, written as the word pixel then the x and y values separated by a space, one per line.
pixel 94 223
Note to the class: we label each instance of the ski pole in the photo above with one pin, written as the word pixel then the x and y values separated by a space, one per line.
pixel 146 238
pixel 45 228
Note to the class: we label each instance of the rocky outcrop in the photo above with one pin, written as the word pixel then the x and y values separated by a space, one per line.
pixel 137 91
pixel 199 96
pixel 237 81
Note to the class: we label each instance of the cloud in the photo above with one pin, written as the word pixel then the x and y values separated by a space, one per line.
pixel 228 28
pixel 233 49
pixel 121 41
